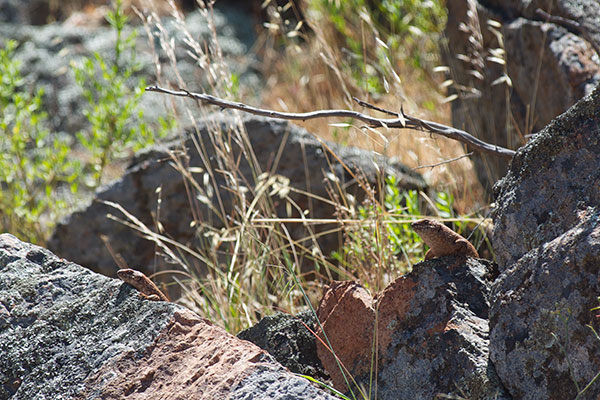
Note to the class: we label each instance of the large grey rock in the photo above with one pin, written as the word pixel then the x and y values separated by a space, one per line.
pixel 303 161
pixel 552 184
pixel 69 333
pixel 432 333
pixel 540 341
pixel 547 242
pixel 550 69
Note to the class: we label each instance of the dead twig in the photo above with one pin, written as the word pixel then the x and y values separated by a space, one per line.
pixel 443 162
pixel 402 121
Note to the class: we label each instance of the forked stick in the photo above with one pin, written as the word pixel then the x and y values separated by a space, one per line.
pixel 402 121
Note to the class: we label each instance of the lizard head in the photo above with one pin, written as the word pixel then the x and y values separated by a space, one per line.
pixel 424 225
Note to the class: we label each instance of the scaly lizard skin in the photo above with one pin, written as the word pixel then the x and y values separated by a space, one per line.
pixel 142 283
pixel 442 240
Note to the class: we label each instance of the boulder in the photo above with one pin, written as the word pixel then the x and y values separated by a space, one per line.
pixel 553 183
pixel 290 340
pixel 30 12
pixel 432 333
pixel 543 338
pixel 550 68
pixel 542 327
pixel 66 332
pixel 304 163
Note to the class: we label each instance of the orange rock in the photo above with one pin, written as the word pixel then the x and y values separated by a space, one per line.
pixel 348 318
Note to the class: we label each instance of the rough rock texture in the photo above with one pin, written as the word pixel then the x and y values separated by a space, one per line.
pixel 541 306
pixel 66 332
pixel 550 69
pixel 552 185
pixel 586 12
pixel 46 53
pixel 288 340
pixel 347 315
pixel 547 242
pixel 303 162
pixel 432 332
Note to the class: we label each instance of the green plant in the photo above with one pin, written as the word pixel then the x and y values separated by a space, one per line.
pixel 324 385
pixel 379 33
pixel 33 163
pixel 382 244
pixel 117 122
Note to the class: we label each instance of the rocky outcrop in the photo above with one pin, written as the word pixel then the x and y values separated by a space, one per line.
pixel 290 340
pixel 553 183
pixel 304 162
pixel 547 242
pixel 550 68
pixel 432 333
pixel 66 332
pixel 542 324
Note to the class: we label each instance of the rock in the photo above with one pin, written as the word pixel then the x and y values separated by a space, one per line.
pixel 46 53
pixel 432 333
pixel 288 340
pixel 303 162
pixel 552 185
pixel 30 12
pixel 585 11
pixel 347 315
pixel 66 332
pixel 540 341
pixel 567 70
pixel 547 242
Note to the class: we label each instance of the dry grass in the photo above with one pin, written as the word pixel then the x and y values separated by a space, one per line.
pixel 246 269
pixel 313 74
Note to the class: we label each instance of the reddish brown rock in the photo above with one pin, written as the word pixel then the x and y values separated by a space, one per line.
pixel 347 315
pixel 190 357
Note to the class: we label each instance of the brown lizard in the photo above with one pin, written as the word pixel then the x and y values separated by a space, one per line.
pixel 141 282
pixel 442 241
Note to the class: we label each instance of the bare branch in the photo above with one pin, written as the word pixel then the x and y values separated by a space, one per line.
pixel 403 121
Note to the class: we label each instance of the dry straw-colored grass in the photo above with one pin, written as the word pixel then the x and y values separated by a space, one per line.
pixel 253 268
pixel 313 73
pixel 246 269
